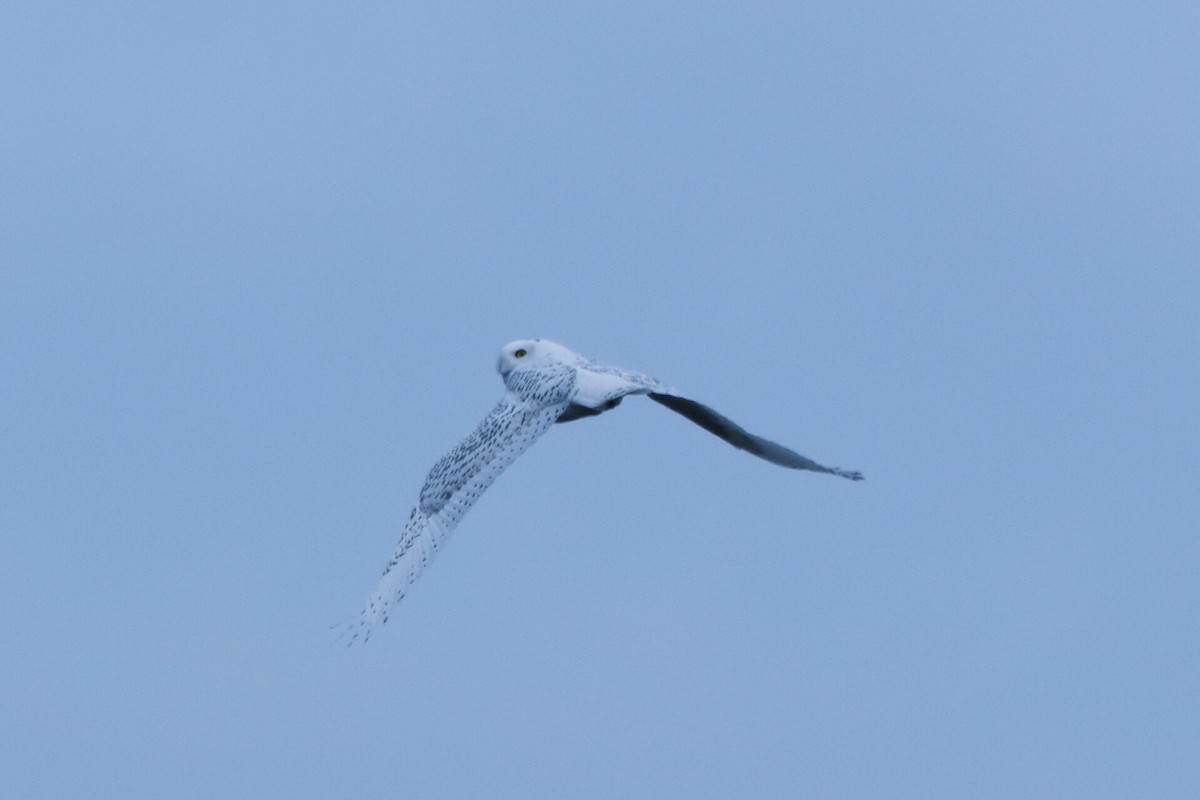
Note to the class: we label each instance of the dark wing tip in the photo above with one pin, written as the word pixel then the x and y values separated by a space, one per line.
pixel 720 425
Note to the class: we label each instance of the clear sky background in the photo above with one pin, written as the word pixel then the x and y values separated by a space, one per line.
pixel 255 267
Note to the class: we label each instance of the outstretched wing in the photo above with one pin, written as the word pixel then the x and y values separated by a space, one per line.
pixel 741 438
pixel 451 488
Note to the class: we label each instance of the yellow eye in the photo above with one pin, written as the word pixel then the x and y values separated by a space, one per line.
pixel 519 354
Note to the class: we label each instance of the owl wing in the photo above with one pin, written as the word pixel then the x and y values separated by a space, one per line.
pixel 453 485
pixel 739 437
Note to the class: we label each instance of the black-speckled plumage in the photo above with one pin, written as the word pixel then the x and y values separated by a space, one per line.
pixel 544 383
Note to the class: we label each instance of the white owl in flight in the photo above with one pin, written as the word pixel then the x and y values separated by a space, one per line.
pixel 544 383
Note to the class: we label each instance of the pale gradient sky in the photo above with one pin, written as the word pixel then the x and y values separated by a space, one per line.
pixel 255 266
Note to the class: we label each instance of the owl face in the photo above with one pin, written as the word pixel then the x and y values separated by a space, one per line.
pixel 530 352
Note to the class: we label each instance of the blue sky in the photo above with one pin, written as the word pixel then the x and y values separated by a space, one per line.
pixel 255 265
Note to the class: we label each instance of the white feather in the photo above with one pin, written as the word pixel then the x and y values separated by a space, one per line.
pixel 542 379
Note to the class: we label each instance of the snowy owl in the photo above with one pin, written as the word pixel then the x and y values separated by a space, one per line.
pixel 544 383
